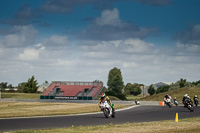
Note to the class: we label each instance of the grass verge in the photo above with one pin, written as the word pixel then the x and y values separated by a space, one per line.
pixel 20 95
pixel 190 125
pixel 25 109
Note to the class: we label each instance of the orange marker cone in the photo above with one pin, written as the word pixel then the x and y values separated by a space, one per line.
pixel 176 119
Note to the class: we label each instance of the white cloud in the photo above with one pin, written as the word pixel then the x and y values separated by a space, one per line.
pixel 188 47
pixel 29 54
pixel 109 17
pixel 56 41
pixel 20 36
pixel 138 46
pixel 129 64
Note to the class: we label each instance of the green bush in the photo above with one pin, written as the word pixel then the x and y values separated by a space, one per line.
pixel 112 93
pixel 162 89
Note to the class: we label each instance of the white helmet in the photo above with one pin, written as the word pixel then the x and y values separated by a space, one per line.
pixel 186 95
pixel 103 95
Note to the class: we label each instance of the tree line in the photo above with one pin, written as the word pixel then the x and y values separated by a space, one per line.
pixel 179 84
pixel 26 87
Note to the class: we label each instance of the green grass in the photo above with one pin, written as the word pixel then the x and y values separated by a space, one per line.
pixel 133 98
pixel 27 109
pixel 20 95
pixel 190 125
pixel 178 93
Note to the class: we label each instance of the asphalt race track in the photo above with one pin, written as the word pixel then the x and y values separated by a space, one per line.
pixel 135 114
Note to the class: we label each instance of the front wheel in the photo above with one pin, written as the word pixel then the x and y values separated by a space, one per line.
pixel 106 112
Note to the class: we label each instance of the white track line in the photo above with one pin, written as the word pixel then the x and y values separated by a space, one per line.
pixel 67 115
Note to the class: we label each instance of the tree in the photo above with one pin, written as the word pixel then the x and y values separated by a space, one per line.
pixel 151 90
pixel 3 85
pixel 31 85
pixel 162 89
pixel 115 81
pixel 128 88
pixel 182 83
pixel 133 89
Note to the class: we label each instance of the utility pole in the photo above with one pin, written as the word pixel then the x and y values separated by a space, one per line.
pixel 0 93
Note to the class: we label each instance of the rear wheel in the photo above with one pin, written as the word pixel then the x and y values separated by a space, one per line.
pixel 113 113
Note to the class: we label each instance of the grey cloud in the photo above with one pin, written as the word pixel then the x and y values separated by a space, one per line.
pixel 108 32
pixel 23 16
pixel 156 2
pixel 109 27
pixel 67 6
pixel 190 35
pixel 62 6
pixel 19 36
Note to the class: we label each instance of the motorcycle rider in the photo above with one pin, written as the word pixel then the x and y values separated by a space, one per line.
pixel 167 96
pixel 137 102
pixel 186 97
pixel 105 98
pixel 175 100
pixel 195 98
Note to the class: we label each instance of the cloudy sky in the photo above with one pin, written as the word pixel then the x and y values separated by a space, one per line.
pixel 150 41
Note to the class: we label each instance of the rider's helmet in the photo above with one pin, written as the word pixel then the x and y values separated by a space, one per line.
pixel 195 96
pixel 186 95
pixel 174 97
pixel 103 95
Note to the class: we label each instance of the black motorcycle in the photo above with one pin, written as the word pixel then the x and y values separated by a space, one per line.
pixel 189 105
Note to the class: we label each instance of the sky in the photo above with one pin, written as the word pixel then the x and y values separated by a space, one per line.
pixel 150 41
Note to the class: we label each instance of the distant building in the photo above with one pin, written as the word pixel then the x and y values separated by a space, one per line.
pixel 157 85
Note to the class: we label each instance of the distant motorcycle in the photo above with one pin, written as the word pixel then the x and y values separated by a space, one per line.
pixel 168 102
pixel 107 109
pixel 189 105
pixel 176 102
pixel 137 102
pixel 196 101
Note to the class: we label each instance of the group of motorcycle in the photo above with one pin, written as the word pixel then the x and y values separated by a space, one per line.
pixel 109 111
pixel 187 103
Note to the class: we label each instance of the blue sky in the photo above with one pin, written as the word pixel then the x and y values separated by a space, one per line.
pixel 81 40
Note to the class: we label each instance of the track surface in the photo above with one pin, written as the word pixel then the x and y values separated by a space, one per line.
pixel 136 114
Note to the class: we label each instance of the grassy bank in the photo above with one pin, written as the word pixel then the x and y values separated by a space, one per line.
pixel 178 93
pixel 20 95
pixel 190 125
pixel 24 109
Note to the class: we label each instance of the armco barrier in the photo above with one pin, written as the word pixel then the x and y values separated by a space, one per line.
pixel 47 97
pixel 66 98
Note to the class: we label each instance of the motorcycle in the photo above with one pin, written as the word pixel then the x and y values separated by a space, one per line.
pixel 176 102
pixel 196 101
pixel 137 102
pixel 107 109
pixel 168 102
pixel 189 105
